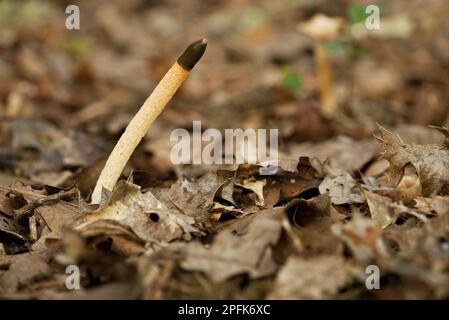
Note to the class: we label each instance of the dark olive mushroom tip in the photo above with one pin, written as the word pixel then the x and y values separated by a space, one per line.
pixel 192 54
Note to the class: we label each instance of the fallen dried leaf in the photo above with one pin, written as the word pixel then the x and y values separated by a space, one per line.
pixel 230 255
pixel 312 278
pixel 340 186
pixel 143 213
pixel 430 161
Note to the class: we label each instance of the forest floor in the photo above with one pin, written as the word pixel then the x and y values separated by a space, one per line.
pixel 360 192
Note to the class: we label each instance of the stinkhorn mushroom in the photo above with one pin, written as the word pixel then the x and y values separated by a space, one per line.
pixel 146 115
pixel 322 28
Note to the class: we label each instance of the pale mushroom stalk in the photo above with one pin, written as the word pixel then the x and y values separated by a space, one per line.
pixel 322 28
pixel 144 118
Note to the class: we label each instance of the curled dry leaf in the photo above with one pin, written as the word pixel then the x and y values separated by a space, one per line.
pixel 312 221
pixel 410 186
pixel 218 209
pixel 292 178
pixel 207 185
pixel 57 148
pixel 430 161
pixel 143 213
pixel 301 212
pixel 120 238
pixel 438 205
pixel 10 227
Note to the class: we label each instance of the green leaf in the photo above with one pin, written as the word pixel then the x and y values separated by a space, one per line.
pixel 77 45
pixel 356 13
pixel 337 47
pixel 291 81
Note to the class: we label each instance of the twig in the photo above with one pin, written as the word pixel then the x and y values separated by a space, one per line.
pixel 28 209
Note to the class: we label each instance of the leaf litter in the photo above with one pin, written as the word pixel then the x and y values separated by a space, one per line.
pixel 299 248
pixel 339 201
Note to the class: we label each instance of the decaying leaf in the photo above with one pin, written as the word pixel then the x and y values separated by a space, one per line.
pixel 438 204
pixel 192 204
pixel 207 185
pixel 303 221
pixel 363 237
pixel 256 186
pixel 39 212
pixel 381 209
pixel 320 277
pixel 292 179
pixel 312 221
pixel 230 255
pixel 340 186
pixel 23 270
pixel 143 213
pixel 342 152
pixel 120 238
pixel 410 185
pixel 57 148
pixel 430 161
pixel 11 228
pixel 218 209
pixel 302 212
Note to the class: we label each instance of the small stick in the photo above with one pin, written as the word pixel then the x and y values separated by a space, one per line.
pixel 144 118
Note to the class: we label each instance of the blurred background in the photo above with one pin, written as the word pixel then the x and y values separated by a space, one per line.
pixel 66 95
